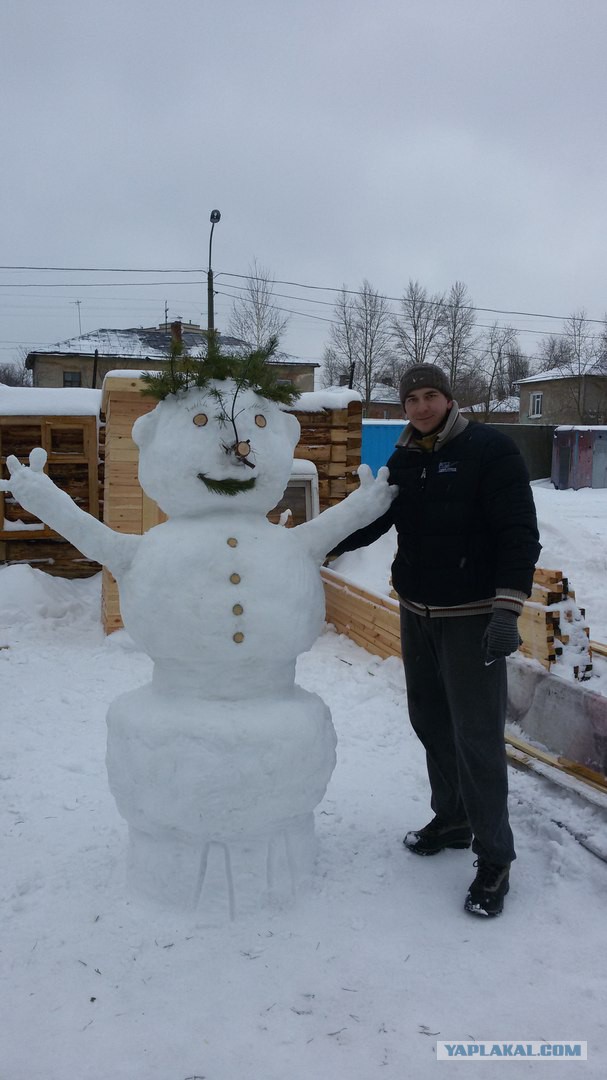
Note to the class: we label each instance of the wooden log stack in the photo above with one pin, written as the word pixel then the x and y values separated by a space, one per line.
pixel 553 627
pixel 72 447
pixel 332 439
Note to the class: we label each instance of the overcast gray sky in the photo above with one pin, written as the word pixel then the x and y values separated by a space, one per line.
pixel 340 139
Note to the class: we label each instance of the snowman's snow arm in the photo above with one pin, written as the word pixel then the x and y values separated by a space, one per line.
pixel 37 493
pixel 370 501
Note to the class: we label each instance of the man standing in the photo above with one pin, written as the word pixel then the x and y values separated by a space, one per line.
pixel 467 547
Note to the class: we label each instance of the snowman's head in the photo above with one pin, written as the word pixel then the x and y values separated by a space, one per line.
pixel 221 447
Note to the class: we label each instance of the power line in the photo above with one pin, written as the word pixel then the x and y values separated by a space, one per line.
pixel 91 284
pixel 107 269
pixel 226 273
pixel 401 299
pixel 336 322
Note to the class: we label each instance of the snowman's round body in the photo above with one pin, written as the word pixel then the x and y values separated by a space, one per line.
pixel 218 763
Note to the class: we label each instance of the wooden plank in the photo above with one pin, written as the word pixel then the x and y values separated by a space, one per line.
pixel 332 577
pixel 590 776
pixel 370 629
pixel 338 453
pixel 315 453
pixel 547 577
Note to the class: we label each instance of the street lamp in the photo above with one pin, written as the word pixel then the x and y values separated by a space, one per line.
pixel 215 217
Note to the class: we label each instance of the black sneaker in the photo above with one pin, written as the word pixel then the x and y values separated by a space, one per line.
pixel 487 891
pixel 438 835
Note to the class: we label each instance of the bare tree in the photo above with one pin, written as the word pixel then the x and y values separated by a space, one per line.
pixel 418 326
pixel 360 349
pixel 458 336
pixel 576 352
pixel 254 317
pixel 499 344
pixel 518 367
pixel 553 352
pixel 15 374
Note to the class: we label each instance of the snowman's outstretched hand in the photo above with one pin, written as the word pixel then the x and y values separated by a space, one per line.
pixel 376 492
pixel 36 493
pixel 370 501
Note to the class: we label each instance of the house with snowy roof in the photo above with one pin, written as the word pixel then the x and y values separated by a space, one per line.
pixel 85 360
pixel 504 411
pixel 564 397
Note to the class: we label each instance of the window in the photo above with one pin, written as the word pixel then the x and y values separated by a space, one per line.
pixel 72 378
pixel 535 404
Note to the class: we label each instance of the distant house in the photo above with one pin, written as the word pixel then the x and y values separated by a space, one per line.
pixel 498 412
pixel 83 361
pixel 556 397
pixel 385 404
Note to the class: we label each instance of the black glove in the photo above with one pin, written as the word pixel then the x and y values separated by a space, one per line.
pixel 501 636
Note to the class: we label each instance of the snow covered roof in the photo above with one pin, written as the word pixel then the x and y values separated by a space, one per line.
pixel 334 397
pixel 381 392
pixel 509 404
pixel 582 427
pixel 49 401
pixel 599 367
pixel 385 393
pixel 144 343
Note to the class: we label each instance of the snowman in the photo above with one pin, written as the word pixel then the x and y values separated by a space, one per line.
pixel 218 763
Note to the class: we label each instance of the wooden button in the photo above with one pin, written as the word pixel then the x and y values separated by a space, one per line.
pixel 238 638
pixel 232 541
pixel 237 609
pixel 235 579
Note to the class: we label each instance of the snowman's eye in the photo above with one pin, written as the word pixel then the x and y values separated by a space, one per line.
pixel 201 419
pixel 260 420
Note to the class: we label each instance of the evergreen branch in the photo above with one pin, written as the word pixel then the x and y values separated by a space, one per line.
pixel 228 486
pixel 251 371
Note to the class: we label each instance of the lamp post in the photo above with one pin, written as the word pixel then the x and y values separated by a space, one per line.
pixel 215 217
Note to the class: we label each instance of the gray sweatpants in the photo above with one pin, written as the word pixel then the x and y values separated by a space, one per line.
pixel 457 706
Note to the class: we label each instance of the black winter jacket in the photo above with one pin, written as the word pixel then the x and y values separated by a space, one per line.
pixel 465 519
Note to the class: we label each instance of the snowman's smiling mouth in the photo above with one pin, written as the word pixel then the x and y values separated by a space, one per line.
pixel 226 487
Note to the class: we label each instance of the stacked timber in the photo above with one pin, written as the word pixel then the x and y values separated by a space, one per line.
pixel 332 439
pixel 126 508
pixel 73 463
pixel 371 620
pixel 553 627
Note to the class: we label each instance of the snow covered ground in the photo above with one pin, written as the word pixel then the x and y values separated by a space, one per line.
pixel 375 963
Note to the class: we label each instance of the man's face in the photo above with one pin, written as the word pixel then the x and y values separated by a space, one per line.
pixel 427 409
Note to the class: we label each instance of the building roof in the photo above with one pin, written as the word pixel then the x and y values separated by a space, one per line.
pixel 379 393
pixel 145 343
pixel 385 394
pixel 598 367
pixel 509 404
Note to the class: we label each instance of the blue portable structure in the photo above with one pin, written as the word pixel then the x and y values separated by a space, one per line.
pixel 378 439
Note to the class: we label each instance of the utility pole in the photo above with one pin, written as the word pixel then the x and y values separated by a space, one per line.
pixel 78 303
pixel 215 217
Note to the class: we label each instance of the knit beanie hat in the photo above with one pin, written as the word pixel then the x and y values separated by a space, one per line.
pixel 422 375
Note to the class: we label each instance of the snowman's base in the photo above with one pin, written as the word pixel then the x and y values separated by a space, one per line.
pixel 223 879
pixel 219 795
